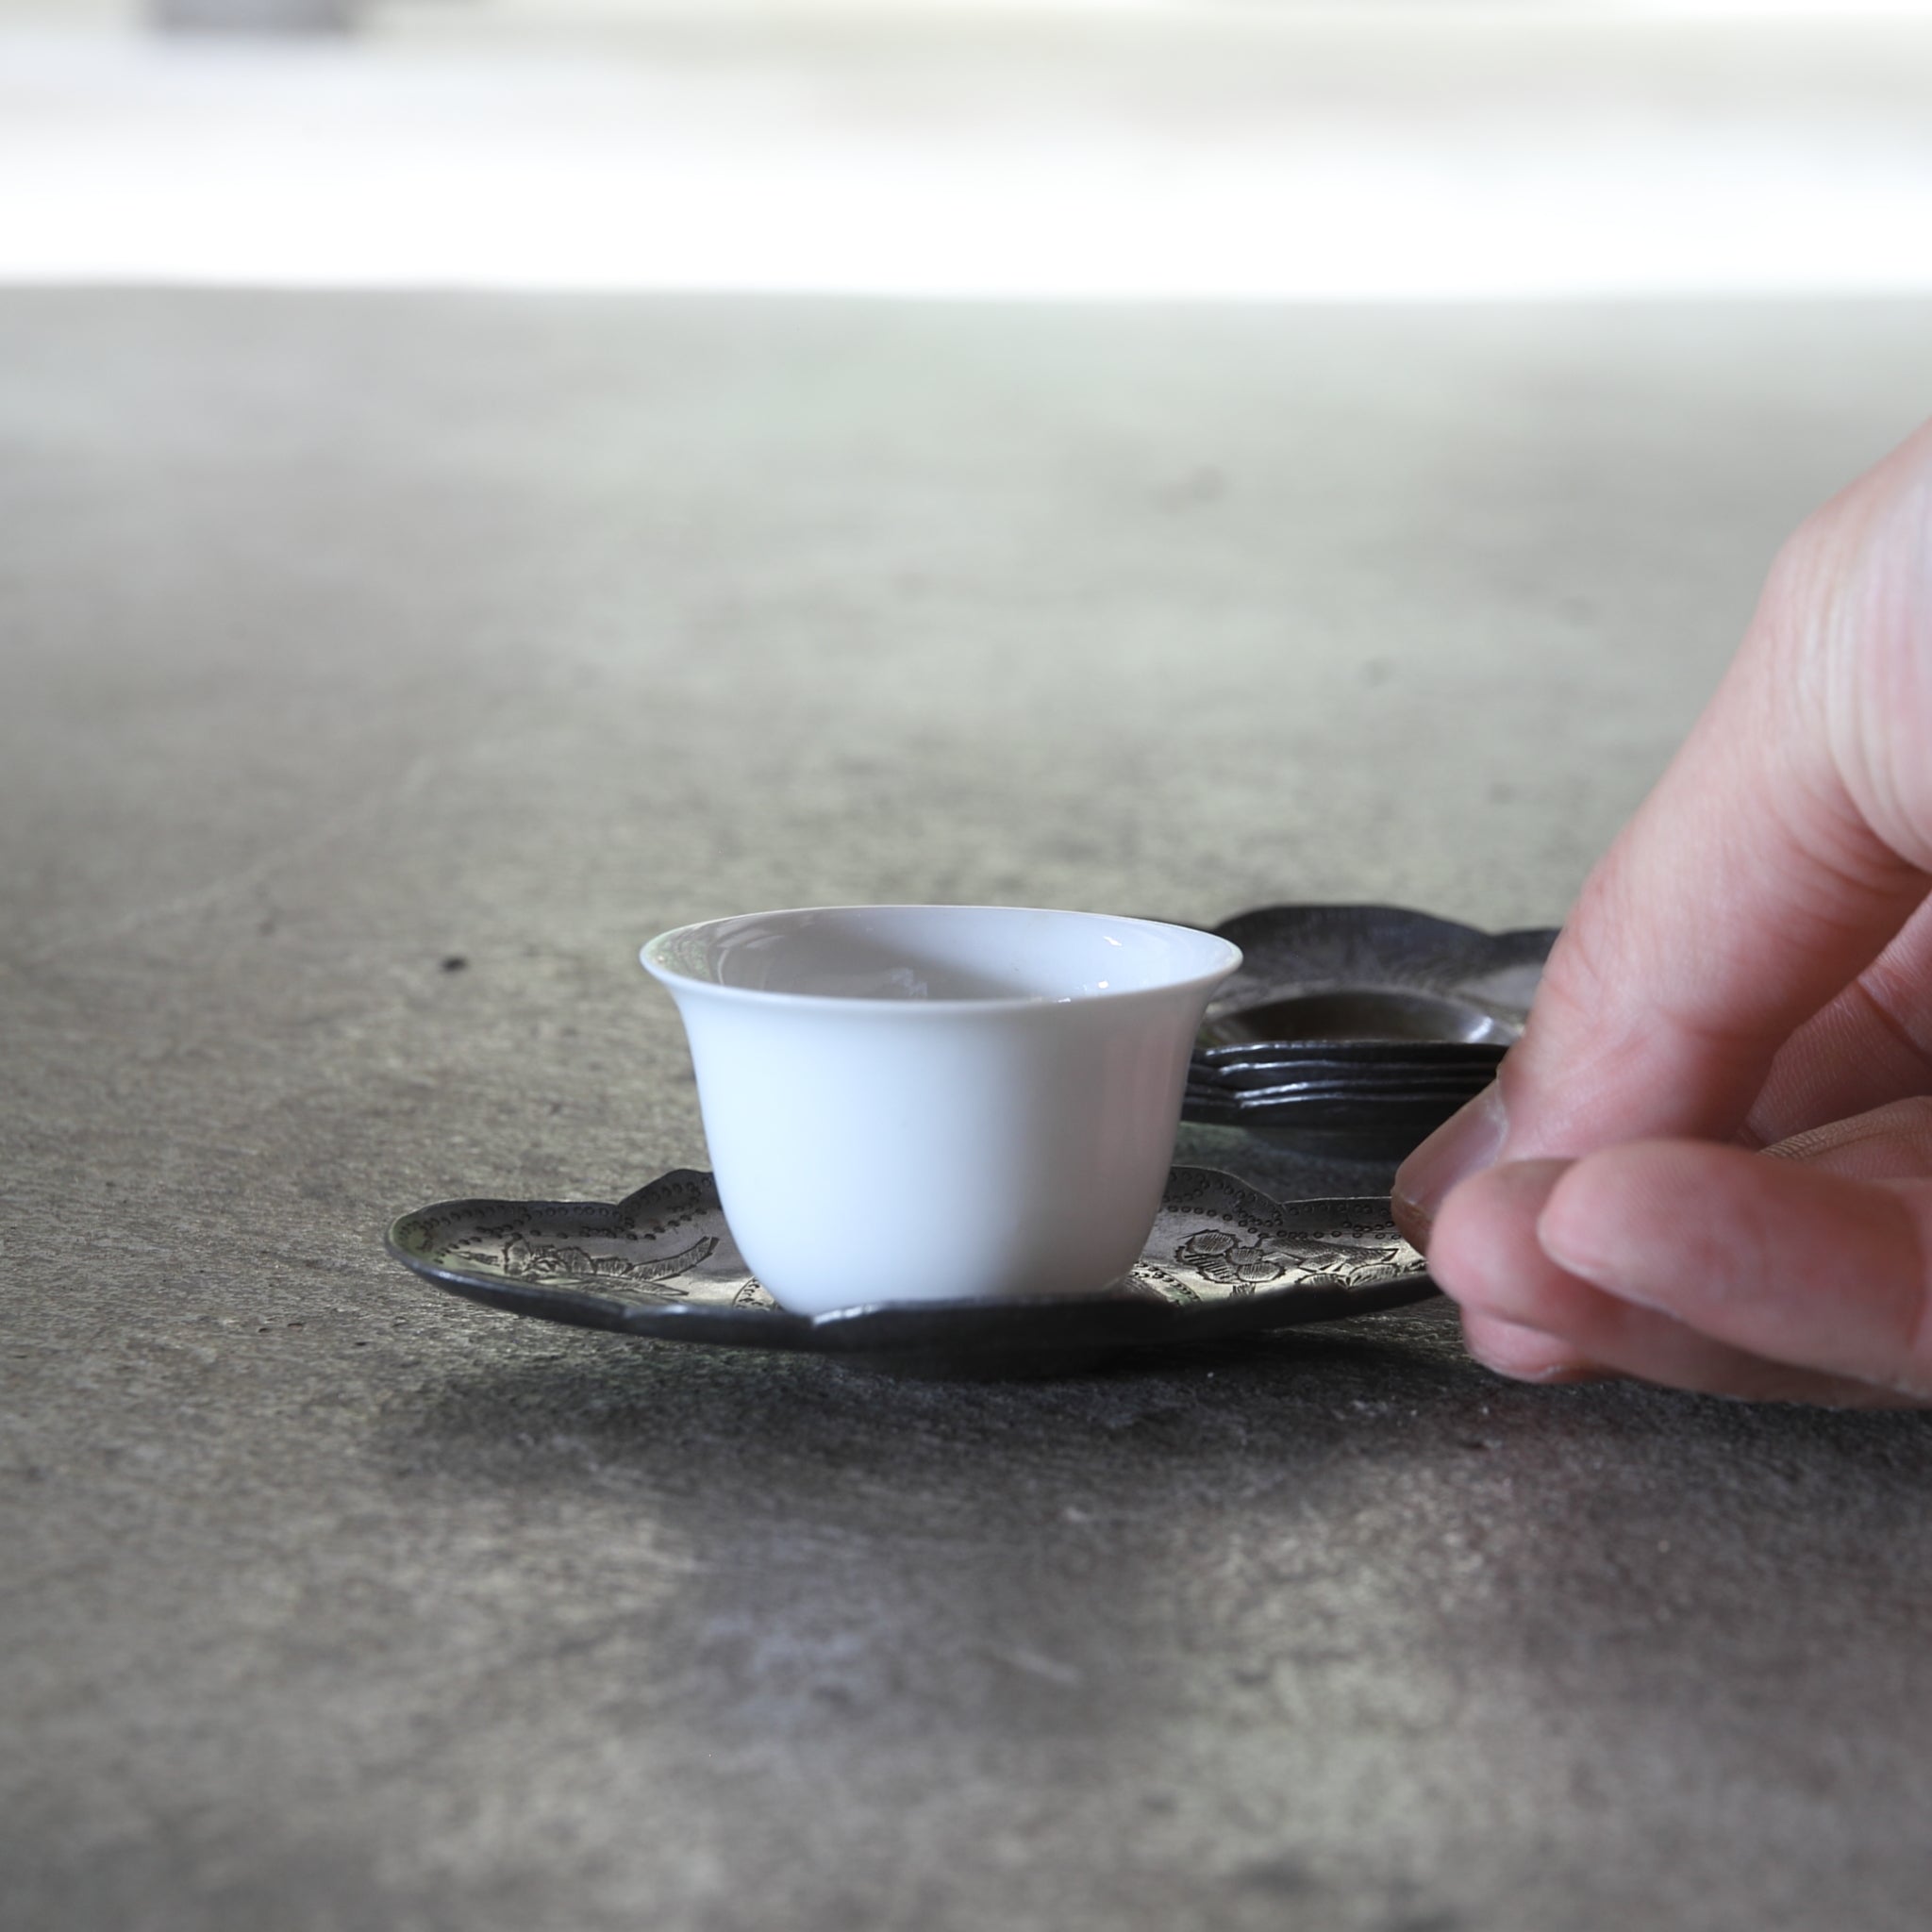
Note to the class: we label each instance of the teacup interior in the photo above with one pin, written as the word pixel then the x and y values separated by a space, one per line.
pixel 941 953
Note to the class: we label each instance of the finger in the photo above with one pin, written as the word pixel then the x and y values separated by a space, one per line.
pixel 1869 1045
pixel 1779 1258
pixel 1783 847
pixel 1528 1317
pixel 1890 1143
pixel 1748 889
pixel 1868 1048
pixel 1525 1355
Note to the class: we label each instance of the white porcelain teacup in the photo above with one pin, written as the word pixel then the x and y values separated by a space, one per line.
pixel 938 1103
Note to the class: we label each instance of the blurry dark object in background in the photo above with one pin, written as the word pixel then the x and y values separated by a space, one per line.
pixel 252 16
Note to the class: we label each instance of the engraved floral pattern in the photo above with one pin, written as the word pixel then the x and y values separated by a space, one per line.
pixel 521 1259
pixel 1242 1267
pixel 663 1262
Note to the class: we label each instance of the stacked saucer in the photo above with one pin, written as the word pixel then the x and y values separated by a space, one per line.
pixel 1359 1030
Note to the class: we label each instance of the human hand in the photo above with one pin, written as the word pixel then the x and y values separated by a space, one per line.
pixel 1709 1161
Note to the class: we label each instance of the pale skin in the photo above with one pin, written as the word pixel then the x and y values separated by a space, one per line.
pixel 1708 1162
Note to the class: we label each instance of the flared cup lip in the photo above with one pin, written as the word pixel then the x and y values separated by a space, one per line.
pixel 1226 957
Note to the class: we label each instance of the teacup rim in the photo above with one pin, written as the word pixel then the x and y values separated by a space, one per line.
pixel 672 980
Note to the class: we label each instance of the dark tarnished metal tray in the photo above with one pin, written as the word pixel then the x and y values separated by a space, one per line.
pixel 1223 1259
pixel 1359 1028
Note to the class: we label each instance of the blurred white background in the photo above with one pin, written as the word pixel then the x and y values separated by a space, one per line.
pixel 1117 149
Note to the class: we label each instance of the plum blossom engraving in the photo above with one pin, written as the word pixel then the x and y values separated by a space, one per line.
pixel 523 1259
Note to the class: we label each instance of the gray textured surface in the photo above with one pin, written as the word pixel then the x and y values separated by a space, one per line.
pixel 347 636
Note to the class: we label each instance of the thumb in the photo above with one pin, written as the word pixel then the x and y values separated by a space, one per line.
pixel 1787 844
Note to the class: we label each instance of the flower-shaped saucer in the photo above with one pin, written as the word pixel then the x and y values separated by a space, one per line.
pixel 1359 1028
pixel 1223 1259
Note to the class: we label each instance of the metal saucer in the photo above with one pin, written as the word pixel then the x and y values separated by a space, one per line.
pixel 1359 1030
pixel 1223 1259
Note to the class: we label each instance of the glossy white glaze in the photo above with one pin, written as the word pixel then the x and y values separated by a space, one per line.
pixel 936 1103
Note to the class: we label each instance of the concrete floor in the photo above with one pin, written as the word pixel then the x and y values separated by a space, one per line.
pixel 343 637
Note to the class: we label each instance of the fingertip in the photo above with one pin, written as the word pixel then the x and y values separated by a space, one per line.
pixel 1614 1217
pixel 1467 1142
pixel 1576 1226
pixel 1526 1355
pixel 1484 1237
pixel 1821 1272
pixel 1413 1221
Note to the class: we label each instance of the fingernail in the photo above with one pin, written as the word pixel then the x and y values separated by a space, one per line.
pixel 1463 1143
